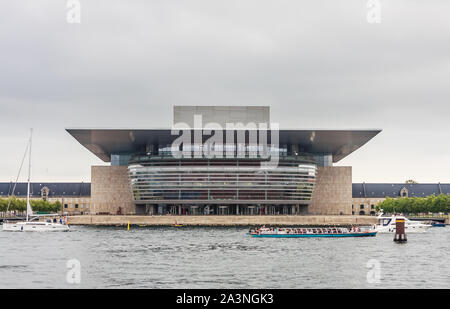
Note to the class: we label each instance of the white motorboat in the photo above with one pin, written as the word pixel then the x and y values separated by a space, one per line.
pixel 387 224
pixel 29 224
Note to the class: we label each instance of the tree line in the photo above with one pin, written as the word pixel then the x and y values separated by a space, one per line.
pixel 416 205
pixel 18 204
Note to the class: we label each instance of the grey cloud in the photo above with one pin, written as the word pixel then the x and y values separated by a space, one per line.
pixel 317 63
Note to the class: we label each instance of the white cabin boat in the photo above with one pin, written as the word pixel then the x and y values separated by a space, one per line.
pixel 32 226
pixel 387 224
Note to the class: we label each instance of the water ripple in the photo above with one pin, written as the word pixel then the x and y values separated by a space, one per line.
pixel 219 258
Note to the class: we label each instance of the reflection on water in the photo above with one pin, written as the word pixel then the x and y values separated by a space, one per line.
pixel 219 258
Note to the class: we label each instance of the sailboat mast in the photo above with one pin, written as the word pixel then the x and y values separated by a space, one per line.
pixel 29 210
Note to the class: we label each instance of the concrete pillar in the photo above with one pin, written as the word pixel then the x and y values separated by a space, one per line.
pixel 332 191
pixel 110 189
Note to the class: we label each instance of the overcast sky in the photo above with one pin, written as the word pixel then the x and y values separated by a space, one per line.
pixel 318 64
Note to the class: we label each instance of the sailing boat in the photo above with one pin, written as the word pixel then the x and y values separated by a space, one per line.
pixel 29 224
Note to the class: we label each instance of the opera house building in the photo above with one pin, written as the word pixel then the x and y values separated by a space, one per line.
pixel 221 160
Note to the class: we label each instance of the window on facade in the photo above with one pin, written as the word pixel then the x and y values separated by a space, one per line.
pixel 361 206
pixel 65 205
pixel 362 212
pixel 372 206
pixel 76 205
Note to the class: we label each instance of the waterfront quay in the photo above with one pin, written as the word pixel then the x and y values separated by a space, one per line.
pixel 278 220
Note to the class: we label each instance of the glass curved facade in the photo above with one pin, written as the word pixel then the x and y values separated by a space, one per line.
pixel 166 180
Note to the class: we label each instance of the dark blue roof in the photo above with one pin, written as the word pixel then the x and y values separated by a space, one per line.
pixel 393 189
pixel 56 189
pixel 368 190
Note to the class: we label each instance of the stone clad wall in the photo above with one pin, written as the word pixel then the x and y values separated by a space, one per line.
pixel 222 114
pixel 223 220
pixel 110 189
pixel 333 191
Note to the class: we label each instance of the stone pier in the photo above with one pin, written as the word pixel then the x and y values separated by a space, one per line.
pixel 279 220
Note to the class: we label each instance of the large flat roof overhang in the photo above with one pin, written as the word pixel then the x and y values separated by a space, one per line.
pixel 104 142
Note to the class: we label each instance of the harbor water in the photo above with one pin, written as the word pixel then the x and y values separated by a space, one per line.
pixel 185 257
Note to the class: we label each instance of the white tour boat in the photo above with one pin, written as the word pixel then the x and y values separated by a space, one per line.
pixel 387 224
pixel 29 224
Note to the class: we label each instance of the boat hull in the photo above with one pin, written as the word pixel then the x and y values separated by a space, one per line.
pixel 27 227
pixel 387 225
pixel 408 229
pixel 370 234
